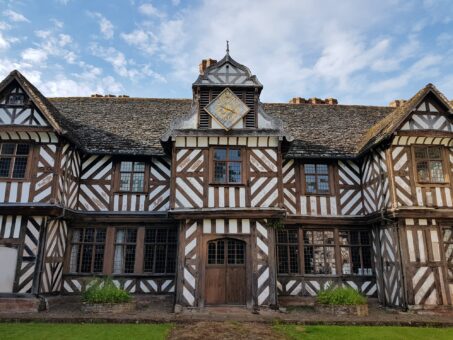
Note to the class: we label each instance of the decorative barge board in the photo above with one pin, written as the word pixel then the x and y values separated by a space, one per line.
pixel 226 261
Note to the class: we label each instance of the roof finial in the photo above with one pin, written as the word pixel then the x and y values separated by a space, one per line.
pixel 228 47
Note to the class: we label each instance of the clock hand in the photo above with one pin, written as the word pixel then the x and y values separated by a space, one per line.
pixel 225 108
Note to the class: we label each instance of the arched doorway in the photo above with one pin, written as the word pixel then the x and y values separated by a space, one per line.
pixel 225 272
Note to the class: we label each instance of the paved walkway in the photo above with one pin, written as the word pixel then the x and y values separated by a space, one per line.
pixel 159 309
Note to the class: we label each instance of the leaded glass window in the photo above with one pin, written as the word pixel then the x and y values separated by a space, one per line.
pixel 87 250
pixel 132 176
pixel 429 164
pixel 288 251
pixel 355 249
pixel 319 252
pixel 125 244
pixel 227 166
pixel 316 178
pixel 13 160
pixel 160 250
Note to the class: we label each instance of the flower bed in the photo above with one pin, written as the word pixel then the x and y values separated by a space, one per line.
pixel 102 296
pixel 341 301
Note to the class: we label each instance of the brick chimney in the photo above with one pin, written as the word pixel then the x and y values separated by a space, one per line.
pixel 331 101
pixel 205 63
pixel 298 100
pixel 397 103
pixel 314 101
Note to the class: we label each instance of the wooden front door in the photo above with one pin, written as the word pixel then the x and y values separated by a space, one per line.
pixel 225 272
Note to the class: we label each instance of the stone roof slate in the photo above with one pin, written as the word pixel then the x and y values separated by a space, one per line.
pixel 135 125
pixel 119 125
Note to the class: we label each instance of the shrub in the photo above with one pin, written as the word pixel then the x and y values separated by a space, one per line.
pixel 104 291
pixel 340 296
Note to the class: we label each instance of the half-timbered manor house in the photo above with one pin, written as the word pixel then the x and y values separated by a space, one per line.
pixel 223 199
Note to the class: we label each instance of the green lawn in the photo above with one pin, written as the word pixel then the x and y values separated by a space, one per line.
pixel 37 331
pixel 364 332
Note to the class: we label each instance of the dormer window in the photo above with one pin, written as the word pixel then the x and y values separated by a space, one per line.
pixel 316 178
pixel 16 99
pixel 132 176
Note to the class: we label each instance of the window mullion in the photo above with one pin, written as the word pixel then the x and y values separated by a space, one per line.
pixel 11 166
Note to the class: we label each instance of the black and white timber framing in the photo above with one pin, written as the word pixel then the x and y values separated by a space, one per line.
pixel 326 194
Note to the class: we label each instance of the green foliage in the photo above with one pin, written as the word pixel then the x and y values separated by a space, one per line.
pixel 340 296
pixel 276 223
pixel 104 291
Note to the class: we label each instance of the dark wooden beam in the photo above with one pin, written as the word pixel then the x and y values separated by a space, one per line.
pixel 227 213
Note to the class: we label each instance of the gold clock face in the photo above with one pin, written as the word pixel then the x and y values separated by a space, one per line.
pixel 227 109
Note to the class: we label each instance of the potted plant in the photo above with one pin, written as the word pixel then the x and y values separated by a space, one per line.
pixel 103 296
pixel 341 301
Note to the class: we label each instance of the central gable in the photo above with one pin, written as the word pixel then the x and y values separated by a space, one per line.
pixel 214 78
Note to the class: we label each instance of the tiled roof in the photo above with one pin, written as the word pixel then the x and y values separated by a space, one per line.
pixel 123 125
pixel 326 130
pixel 134 125
pixel 119 125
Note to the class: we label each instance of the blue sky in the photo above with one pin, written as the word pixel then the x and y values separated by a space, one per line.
pixel 361 52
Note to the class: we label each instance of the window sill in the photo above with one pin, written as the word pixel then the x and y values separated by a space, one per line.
pixel 326 275
pixel 19 180
pixel 227 185
pixel 433 184
pixel 318 195
pixel 131 192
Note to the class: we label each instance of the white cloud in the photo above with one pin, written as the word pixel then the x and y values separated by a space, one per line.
pixel 4 43
pixel 15 16
pixel 124 67
pixel 62 2
pixel 424 68
pixel 105 26
pixel 143 40
pixel 344 52
pixel 57 23
pixel 59 45
pixel 61 84
pixel 34 55
pixel 4 26
pixel 149 10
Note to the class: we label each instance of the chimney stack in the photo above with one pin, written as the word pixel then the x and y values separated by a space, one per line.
pixel 314 101
pixel 297 100
pixel 331 101
pixel 205 63
pixel 397 103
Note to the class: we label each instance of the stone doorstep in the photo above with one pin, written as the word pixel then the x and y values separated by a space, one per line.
pixel 21 305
